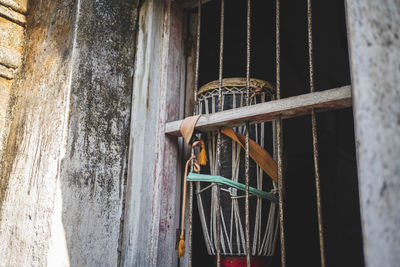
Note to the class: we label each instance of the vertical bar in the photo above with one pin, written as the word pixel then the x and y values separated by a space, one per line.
pixel 247 163
pixel 195 111
pixel 196 76
pixel 190 221
pixel 220 108
pixel 315 136
pixel 281 186
pixel 221 54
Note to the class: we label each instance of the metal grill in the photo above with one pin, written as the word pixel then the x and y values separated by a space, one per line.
pixel 277 133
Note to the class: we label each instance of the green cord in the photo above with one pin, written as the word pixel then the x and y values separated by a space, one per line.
pixel 197 177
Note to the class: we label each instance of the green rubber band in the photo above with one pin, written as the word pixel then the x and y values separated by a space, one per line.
pixel 197 177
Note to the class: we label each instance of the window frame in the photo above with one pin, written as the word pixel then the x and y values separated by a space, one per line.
pixel 163 64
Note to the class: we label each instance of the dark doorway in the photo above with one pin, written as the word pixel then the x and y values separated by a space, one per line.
pixel 335 129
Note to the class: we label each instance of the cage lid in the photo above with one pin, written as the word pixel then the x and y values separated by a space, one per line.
pixel 237 82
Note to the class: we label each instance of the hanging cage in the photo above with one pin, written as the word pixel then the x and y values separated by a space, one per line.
pixel 231 176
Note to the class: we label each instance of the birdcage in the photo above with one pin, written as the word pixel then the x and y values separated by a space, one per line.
pixel 227 182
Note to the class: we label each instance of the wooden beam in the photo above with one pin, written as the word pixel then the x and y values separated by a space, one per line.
pixel 290 107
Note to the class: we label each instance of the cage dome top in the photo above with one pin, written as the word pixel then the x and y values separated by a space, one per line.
pixel 237 82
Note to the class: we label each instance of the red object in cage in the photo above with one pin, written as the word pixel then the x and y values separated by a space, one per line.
pixel 234 261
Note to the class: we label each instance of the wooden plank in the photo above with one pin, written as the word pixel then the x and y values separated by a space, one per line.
pixel 152 207
pixel 289 107
pixel 167 179
pixel 139 244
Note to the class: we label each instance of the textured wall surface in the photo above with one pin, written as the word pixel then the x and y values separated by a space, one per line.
pixel 374 40
pixel 93 170
pixel 29 196
pixel 12 22
pixel 63 171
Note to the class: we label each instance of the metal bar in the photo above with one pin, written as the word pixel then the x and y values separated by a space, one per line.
pixel 195 111
pixel 281 185
pixel 221 54
pixel 196 76
pixel 248 53
pixel 192 4
pixel 220 108
pixel 247 158
pixel 315 136
pixel 290 107
pixel 247 215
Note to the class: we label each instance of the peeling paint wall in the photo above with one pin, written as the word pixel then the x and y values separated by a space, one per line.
pixel 62 175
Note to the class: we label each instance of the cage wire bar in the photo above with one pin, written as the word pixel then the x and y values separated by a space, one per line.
pixel 218 156
pixel 315 136
pixel 195 111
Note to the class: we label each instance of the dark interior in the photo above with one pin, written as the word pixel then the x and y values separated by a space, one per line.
pixel 338 168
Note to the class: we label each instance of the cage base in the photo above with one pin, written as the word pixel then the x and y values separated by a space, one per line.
pixel 240 261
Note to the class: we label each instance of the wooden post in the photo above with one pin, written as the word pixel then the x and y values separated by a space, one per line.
pixel 374 41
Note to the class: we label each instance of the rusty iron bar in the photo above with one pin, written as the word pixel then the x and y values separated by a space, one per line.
pixel 247 162
pixel 195 111
pixel 315 137
pixel 220 108
pixel 247 215
pixel 196 74
pixel 281 184
pixel 221 54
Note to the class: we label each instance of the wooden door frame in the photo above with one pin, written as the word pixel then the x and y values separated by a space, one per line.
pixel 154 178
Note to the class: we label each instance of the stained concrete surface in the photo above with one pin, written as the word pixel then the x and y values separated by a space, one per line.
pixel 29 168
pixel 63 170
pixel 373 29
pixel 93 170
pixel 11 49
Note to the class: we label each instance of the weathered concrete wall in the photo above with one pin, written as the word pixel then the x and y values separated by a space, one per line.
pixel 374 40
pixel 12 22
pixel 93 170
pixel 30 165
pixel 63 171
